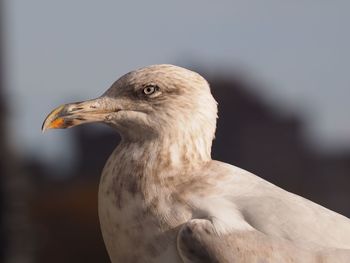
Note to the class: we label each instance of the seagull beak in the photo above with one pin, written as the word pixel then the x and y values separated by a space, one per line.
pixel 73 114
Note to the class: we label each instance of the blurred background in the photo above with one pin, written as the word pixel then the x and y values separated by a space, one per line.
pixel 279 70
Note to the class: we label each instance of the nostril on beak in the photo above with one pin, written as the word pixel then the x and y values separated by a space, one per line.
pixel 76 108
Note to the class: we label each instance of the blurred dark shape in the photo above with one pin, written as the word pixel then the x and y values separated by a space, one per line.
pixel 17 242
pixel 251 134
pixel 93 147
pixel 15 228
pixel 65 211
pixel 3 150
pixel 255 136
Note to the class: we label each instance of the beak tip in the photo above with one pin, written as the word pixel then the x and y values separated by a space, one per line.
pixel 44 126
pixel 53 120
pixel 47 123
pixel 43 129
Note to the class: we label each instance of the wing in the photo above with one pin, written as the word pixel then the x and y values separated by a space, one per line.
pixel 198 242
pixel 270 209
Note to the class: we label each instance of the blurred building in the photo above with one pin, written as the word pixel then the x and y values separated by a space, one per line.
pixel 254 135
pixel 2 149
pixel 17 244
pixel 251 134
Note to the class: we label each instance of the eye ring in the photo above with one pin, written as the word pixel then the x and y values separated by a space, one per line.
pixel 148 90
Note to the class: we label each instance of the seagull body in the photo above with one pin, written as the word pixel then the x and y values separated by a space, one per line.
pixel 163 199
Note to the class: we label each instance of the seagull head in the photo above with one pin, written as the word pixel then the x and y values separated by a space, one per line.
pixel 151 102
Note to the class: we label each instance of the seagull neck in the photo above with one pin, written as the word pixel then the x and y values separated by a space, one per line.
pixel 170 153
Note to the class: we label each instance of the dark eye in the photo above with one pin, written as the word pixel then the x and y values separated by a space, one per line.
pixel 148 90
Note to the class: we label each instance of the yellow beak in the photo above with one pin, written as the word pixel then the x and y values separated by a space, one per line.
pixel 73 114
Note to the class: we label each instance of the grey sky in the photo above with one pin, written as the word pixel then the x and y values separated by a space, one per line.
pixel 60 51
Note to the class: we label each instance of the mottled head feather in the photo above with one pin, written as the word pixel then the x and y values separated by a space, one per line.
pixel 181 107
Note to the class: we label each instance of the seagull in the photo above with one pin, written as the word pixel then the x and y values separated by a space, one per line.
pixel 163 199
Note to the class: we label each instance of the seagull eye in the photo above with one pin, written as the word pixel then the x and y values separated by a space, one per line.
pixel 149 90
